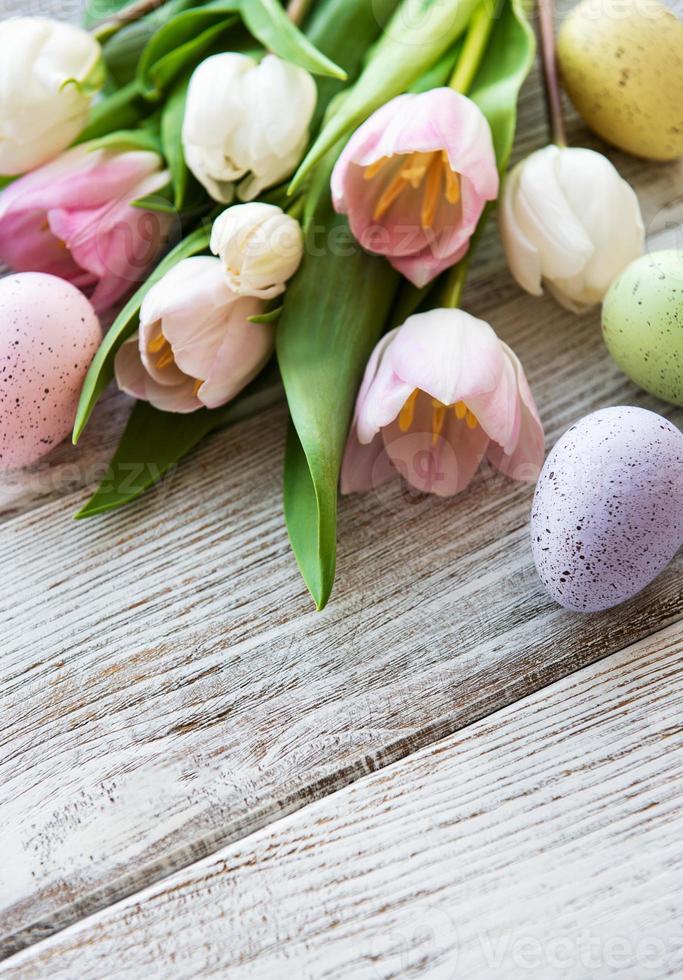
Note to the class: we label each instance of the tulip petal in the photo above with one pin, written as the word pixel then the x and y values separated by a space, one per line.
pixel 81 179
pixel 28 245
pixel 365 466
pixel 594 189
pixel 522 255
pixel 544 216
pixel 421 268
pixel 193 304
pixel 214 107
pixel 525 461
pixel 132 378
pixel 188 289
pixel 450 354
pixel 129 370
pixel 244 351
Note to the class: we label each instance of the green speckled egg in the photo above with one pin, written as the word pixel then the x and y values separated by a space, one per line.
pixel 642 323
pixel 622 66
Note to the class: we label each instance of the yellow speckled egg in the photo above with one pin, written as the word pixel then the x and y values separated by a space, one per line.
pixel 622 66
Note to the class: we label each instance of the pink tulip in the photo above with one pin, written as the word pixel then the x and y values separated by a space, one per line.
pixel 439 394
pixel 414 180
pixel 74 218
pixel 195 347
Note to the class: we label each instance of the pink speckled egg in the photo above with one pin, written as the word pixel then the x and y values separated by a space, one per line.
pixel 49 333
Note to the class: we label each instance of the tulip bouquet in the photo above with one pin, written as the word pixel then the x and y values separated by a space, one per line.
pixel 293 195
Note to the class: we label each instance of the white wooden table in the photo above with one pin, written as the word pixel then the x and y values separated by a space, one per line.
pixel 441 774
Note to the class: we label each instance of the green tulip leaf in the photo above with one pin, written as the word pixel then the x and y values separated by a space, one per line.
pixel 122 51
pixel 334 312
pixel 166 69
pixel 345 29
pixel 160 201
pixel 268 22
pixel 413 41
pixel 507 62
pixel 101 370
pixel 128 139
pixel 122 110
pixel 270 317
pixel 172 116
pixel 181 43
pixel 155 441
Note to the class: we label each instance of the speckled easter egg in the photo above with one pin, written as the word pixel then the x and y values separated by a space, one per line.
pixel 642 323
pixel 622 66
pixel 608 509
pixel 49 333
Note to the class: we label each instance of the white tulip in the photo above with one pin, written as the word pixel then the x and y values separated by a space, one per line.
pixel 260 247
pixel 49 72
pixel 569 220
pixel 246 123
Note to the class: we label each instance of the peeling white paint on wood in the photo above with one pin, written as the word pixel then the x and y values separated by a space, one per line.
pixel 542 842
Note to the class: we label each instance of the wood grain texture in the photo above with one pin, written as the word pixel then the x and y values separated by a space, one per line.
pixel 166 686
pixel 543 842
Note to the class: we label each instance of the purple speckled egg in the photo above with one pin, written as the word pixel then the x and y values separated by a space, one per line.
pixel 608 508
pixel 49 333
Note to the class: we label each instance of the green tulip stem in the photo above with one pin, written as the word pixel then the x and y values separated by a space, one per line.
pixel 296 208
pixel 474 46
pixel 297 10
pixel 131 12
pixel 455 283
pixel 546 31
pixel 473 50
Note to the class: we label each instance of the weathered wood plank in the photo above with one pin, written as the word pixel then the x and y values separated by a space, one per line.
pixel 543 842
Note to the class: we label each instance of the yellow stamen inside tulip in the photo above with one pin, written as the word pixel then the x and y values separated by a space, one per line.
pixel 439 414
pixel 374 168
pixel 418 167
pixel 452 181
pixel 389 196
pixel 431 194
pixel 154 346
pixel 165 359
pixel 438 418
pixel 405 417
pixel 196 386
